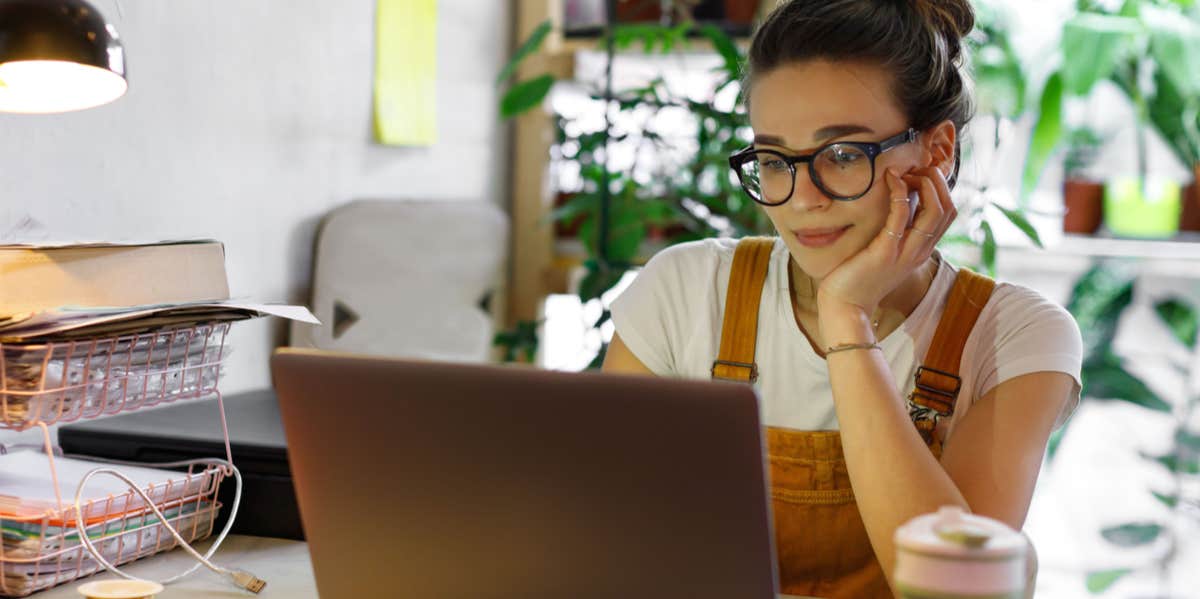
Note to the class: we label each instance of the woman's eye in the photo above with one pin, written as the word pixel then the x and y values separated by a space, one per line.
pixel 773 164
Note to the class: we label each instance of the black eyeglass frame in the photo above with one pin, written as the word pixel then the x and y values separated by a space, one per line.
pixel 871 149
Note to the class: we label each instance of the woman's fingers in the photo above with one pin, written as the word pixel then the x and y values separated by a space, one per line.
pixel 930 222
pixel 893 232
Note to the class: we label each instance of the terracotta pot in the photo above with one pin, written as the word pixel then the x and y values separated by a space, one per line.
pixel 1084 201
pixel 637 11
pixel 741 12
pixel 1189 219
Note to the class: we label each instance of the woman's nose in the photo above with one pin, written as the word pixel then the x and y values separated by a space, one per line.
pixel 806 195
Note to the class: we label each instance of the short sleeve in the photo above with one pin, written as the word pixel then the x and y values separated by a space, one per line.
pixel 1023 333
pixel 652 313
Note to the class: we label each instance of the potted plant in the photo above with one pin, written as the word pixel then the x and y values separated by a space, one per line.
pixel 1145 47
pixel 1083 197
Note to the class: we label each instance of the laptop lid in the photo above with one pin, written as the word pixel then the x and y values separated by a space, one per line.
pixel 429 479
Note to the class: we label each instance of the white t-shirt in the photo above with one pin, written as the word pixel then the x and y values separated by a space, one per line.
pixel 671 315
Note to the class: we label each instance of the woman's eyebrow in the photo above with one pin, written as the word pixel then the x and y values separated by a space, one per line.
pixel 839 131
pixel 820 135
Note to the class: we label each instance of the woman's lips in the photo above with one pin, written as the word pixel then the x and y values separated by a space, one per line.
pixel 819 238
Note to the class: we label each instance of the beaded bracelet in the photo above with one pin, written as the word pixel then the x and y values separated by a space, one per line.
pixel 850 346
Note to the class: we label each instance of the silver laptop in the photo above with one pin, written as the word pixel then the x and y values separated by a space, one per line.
pixel 426 479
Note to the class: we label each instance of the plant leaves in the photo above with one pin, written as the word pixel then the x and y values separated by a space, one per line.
pixel 1046 133
pixel 1098 582
pixel 1181 318
pixel 988 248
pixel 531 45
pixel 1188 465
pixel 1132 535
pixel 1106 378
pixel 1091 46
pixel 726 48
pixel 1188 440
pixel 1168 500
pixel 1175 44
pixel 525 95
pixel 1018 219
pixel 1097 301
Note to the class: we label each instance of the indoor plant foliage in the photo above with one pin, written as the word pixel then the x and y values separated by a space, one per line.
pixel 1150 50
pixel 1100 298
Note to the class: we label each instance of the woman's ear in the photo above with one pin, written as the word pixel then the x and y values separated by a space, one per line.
pixel 939 146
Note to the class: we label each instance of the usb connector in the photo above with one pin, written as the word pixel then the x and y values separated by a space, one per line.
pixel 247 581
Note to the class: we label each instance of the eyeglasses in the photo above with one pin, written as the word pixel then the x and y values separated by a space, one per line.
pixel 842 170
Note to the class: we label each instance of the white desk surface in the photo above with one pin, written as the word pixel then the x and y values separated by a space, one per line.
pixel 283 564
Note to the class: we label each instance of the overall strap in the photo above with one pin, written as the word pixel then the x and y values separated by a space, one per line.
pixel 739 330
pixel 937 380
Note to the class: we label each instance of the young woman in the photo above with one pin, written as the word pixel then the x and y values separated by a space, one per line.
pixel 892 382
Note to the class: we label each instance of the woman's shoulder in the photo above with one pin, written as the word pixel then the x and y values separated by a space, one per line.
pixel 708 256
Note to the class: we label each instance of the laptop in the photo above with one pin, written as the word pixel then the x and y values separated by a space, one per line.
pixel 434 479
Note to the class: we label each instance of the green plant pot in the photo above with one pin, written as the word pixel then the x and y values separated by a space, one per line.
pixel 1129 212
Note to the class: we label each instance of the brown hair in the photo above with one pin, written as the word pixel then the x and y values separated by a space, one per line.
pixel 918 41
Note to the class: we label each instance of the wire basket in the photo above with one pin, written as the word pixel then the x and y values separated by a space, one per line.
pixel 69 380
pixel 41 548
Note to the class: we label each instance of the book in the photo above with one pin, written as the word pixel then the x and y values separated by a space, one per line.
pixel 36 278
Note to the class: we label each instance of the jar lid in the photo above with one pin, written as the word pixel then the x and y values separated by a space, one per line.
pixel 955 533
pixel 120 589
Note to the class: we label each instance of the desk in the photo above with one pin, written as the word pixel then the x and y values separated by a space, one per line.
pixel 283 564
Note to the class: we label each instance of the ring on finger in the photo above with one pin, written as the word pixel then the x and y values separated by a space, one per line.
pixel 925 233
pixel 892 233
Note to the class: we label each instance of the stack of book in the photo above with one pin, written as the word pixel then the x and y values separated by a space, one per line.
pixel 89 330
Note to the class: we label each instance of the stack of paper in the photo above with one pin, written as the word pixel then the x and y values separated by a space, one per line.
pixel 40 545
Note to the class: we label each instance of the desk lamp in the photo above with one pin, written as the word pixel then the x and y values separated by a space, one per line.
pixel 57 56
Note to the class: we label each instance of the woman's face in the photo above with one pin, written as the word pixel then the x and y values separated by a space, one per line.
pixel 799 107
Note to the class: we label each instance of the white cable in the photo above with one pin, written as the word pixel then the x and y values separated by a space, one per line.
pixel 240 578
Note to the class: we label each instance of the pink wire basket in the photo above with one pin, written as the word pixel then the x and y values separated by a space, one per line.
pixel 70 380
pixel 41 548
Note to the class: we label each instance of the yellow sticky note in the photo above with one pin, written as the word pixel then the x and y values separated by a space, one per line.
pixel 406 72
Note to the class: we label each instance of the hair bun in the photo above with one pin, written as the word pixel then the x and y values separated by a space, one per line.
pixel 954 19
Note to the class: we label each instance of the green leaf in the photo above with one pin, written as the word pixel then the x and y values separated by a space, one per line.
pixel 1168 500
pixel 1098 582
pixel 1181 317
pixel 1188 440
pixel 598 280
pixel 1175 44
pixel 988 248
pixel 1107 379
pixel 1188 465
pixel 1091 46
pixel 726 48
pixel 1132 535
pixel 531 45
pixel 1097 301
pixel 1018 219
pixel 1046 133
pixel 525 95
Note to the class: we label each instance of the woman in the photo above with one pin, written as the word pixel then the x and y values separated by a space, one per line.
pixel 856 105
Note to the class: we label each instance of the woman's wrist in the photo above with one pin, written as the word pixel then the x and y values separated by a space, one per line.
pixel 845 323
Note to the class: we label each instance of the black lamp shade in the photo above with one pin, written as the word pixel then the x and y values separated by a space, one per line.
pixel 57 56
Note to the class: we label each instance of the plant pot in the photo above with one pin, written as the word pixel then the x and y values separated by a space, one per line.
pixel 1189 216
pixel 1084 203
pixel 1134 210
pixel 741 12
pixel 638 11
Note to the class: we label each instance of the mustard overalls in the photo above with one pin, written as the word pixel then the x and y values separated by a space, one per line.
pixel 820 539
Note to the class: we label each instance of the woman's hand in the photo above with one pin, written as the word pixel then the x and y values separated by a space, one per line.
pixel 857 285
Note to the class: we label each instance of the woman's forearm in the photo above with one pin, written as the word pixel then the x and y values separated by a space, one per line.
pixel 894 475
